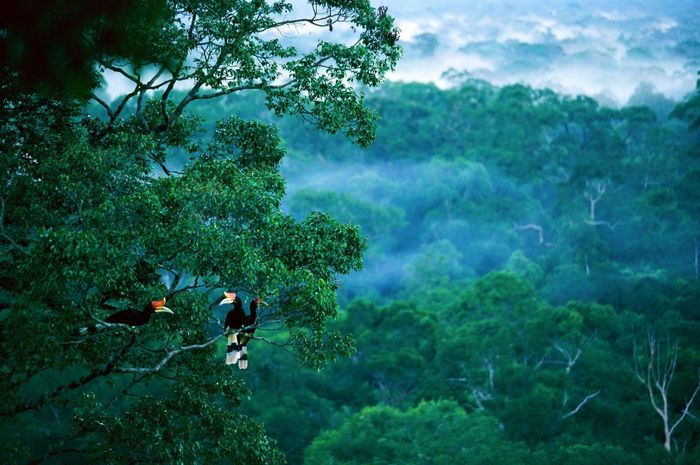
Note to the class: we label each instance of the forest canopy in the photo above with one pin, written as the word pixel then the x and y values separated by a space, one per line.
pixel 487 274
pixel 529 254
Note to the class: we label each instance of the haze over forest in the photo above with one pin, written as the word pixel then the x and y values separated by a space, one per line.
pixel 618 53
pixel 502 267
pixel 604 49
pixel 521 139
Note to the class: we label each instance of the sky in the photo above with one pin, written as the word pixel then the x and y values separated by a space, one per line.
pixel 604 49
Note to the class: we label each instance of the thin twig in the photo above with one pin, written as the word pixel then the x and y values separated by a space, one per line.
pixel 580 405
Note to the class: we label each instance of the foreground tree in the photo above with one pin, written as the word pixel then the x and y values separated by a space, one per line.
pixel 656 378
pixel 88 228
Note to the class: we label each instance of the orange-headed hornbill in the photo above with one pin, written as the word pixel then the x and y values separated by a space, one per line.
pixel 130 316
pixel 234 322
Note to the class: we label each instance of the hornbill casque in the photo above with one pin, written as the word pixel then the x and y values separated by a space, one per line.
pixel 242 328
pixel 130 317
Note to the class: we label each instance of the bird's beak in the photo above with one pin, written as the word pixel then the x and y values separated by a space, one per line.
pixel 229 298
pixel 264 303
pixel 165 309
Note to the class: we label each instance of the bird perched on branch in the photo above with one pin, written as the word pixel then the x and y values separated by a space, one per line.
pixel 240 327
pixel 249 326
pixel 130 317
pixel 233 323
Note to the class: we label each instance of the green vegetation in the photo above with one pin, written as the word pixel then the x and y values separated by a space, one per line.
pixel 530 292
pixel 527 251
pixel 93 221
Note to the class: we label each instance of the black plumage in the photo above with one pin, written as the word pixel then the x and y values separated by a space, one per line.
pixel 131 317
pixel 249 322
pixel 252 318
pixel 232 324
pixel 235 317
pixel 240 328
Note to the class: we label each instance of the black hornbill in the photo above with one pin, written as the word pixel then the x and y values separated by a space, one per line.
pixel 237 320
pixel 130 316
pixel 233 322
pixel 249 324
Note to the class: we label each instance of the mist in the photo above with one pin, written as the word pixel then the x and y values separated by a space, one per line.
pixel 599 49
pixel 487 252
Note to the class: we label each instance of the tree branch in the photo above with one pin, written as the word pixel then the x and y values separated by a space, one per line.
pixel 142 93
pixel 580 405
pixel 602 223
pixel 168 356
pixel 223 53
pixel 107 368
pixel 686 409
pixel 123 103
pixel 104 105
pixel 119 70
pixel 536 227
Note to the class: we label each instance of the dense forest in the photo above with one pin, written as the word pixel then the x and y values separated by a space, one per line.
pixel 528 255
pixel 479 274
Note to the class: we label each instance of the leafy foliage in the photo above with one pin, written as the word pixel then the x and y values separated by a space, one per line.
pixel 95 219
pixel 522 248
pixel 540 239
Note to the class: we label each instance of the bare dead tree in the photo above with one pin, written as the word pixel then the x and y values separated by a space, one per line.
pixel 571 356
pixel 536 227
pixel 571 359
pixel 480 392
pixel 580 405
pixel 657 379
pixel 595 190
pixel 607 224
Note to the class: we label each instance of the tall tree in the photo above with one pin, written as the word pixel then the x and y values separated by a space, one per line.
pixel 95 219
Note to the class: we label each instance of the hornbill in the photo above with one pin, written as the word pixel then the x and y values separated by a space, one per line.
pixel 233 322
pixel 130 317
pixel 249 325
pixel 241 327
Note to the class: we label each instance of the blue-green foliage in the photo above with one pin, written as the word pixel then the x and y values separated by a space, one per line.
pixel 522 247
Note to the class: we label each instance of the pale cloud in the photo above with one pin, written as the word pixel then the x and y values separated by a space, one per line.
pixel 664 25
pixel 597 47
pixel 431 69
pixel 619 16
pixel 608 47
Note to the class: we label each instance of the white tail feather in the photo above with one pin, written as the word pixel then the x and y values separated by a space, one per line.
pixel 243 362
pixel 232 356
pixel 91 329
